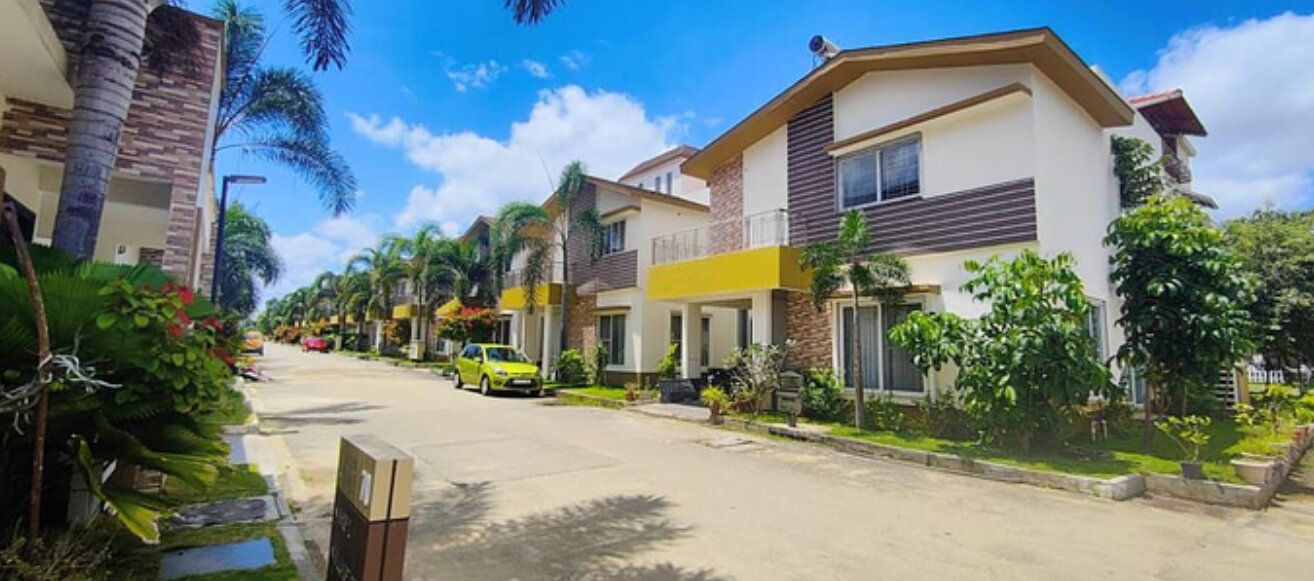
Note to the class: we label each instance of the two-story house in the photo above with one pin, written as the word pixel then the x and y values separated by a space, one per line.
pixel 607 303
pixel 160 209
pixel 954 149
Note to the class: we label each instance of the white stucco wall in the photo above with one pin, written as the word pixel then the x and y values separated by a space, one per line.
pixel 1076 192
pixel 987 144
pixel 684 186
pixel 766 173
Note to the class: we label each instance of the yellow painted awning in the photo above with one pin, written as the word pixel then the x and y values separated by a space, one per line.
pixel 515 298
pixel 404 311
pixel 448 308
pixel 334 320
pixel 771 267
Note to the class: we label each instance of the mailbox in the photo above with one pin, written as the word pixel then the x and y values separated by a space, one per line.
pixel 789 396
pixel 371 511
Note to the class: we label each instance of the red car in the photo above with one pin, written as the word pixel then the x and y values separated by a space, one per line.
pixel 314 343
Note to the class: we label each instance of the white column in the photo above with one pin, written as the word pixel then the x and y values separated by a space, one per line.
pixel 761 316
pixel 517 329
pixel 691 341
pixel 546 343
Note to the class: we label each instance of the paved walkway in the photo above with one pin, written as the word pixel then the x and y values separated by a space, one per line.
pixel 507 488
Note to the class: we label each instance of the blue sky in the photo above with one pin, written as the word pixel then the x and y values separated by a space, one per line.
pixel 447 109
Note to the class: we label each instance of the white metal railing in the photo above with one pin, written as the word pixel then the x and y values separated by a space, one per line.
pixel 769 228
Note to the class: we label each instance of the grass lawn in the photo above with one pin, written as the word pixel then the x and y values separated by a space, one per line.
pixel 1116 456
pixel 602 391
pixel 239 481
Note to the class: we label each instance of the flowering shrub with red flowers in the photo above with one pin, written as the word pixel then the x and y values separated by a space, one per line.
pixel 397 333
pixel 468 324
pixel 184 359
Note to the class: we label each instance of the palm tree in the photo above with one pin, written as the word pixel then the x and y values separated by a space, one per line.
pixel 383 268
pixel 275 113
pixel 847 260
pixel 420 268
pixel 540 235
pixel 468 275
pixel 249 260
pixel 115 35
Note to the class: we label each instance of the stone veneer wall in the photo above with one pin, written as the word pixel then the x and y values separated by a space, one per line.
pixel 163 139
pixel 727 205
pixel 811 332
pixel 583 332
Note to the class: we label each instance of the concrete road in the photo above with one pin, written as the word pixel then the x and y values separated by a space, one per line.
pixel 510 488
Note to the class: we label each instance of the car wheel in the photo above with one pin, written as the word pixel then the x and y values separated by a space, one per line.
pixel 538 393
pixel 459 384
pixel 261 352
pixel 484 387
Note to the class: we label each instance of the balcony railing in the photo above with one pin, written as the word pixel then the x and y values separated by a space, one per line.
pixel 769 228
pixel 513 278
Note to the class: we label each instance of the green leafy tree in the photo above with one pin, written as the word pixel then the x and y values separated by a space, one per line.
pixel 1025 363
pixel 1275 250
pixel 1184 299
pixel 250 261
pixel 849 260
pixel 1140 175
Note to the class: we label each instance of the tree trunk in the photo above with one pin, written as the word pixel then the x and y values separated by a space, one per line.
pixel 1147 431
pixel 859 398
pixel 107 70
pixel 42 370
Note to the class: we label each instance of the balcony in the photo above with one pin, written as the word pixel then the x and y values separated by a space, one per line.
pixel 516 297
pixel 727 258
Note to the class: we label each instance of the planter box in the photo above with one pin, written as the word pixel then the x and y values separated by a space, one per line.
pixel 1270 476
pixel 1257 472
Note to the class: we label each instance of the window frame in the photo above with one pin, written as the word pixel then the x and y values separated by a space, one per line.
pixel 876 150
pixel 670 178
pixel 608 321
pixel 1097 321
pixel 609 236
pixel 840 342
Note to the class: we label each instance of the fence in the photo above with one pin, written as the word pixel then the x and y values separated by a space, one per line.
pixel 769 228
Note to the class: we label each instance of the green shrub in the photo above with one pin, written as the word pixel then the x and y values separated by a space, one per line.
pixel 714 397
pixel 597 364
pixel 823 396
pixel 1190 433
pixel 885 415
pixel 940 417
pixel 571 368
pixel 669 368
pixel 84 552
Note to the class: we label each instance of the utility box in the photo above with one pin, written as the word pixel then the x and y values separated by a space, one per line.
pixel 371 511
pixel 789 396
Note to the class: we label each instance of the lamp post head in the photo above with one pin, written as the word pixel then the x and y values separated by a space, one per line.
pixel 241 179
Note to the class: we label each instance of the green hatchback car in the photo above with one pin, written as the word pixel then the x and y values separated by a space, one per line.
pixel 497 368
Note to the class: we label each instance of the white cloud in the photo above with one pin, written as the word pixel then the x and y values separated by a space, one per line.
pixel 1250 85
pixel 536 69
pixel 609 132
pixel 575 59
pixel 474 76
pixel 327 246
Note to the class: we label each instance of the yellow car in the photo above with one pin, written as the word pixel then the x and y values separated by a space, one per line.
pixel 497 368
pixel 253 342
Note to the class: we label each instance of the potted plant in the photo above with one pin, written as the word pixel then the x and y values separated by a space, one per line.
pixel 716 401
pixel 631 392
pixel 1190 433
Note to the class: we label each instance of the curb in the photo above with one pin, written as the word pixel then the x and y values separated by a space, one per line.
pixel 566 396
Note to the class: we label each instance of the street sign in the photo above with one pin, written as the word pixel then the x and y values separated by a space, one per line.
pixel 371 511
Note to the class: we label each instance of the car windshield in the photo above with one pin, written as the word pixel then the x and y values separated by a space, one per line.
pixel 505 355
pixel 252 335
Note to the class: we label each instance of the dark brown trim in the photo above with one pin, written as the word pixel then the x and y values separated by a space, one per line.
pixel 619 211
pixel 936 113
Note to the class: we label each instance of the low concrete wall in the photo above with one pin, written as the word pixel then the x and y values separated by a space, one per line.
pixel 1240 495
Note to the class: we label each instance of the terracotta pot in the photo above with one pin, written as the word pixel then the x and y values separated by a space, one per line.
pixel 1193 471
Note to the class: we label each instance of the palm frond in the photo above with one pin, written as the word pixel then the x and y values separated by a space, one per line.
pixel 323 28
pixel 282 99
pixel 315 161
pixel 532 11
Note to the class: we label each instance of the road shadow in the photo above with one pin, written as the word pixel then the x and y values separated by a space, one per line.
pixel 322 415
pixel 451 538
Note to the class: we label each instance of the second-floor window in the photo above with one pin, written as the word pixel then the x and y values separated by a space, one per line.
pixel 658 187
pixel 613 238
pixel 670 181
pixel 878 174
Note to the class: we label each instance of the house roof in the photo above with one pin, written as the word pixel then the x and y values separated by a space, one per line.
pixel 636 192
pixel 1038 46
pixel 1169 113
pixel 472 231
pixel 677 152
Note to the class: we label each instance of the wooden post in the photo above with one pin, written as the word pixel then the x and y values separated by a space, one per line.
pixel 43 363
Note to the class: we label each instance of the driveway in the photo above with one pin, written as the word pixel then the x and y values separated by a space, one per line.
pixel 511 488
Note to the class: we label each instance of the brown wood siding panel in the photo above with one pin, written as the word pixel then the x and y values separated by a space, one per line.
pixel 610 272
pixel 996 214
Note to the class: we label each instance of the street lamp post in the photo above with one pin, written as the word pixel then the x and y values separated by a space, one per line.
pixel 223 218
